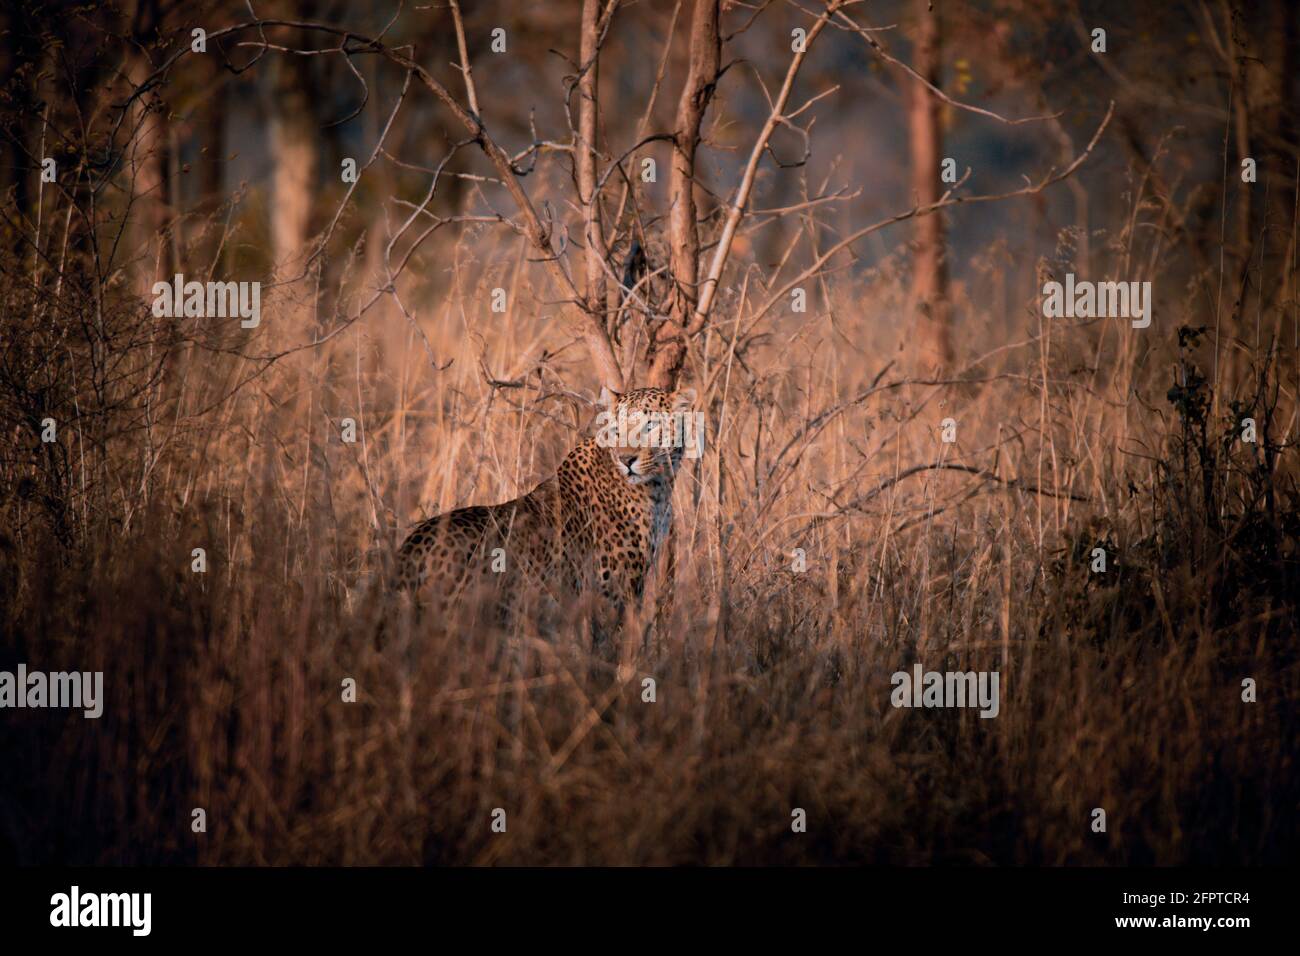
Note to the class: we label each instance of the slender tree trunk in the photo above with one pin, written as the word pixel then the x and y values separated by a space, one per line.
pixel 293 152
pixel 1243 226
pixel 211 136
pixel 147 167
pixel 1263 54
pixel 668 346
pixel 148 171
pixel 1278 167
pixel 20 171
pixel 294 427
pixel 588 125
pixel 931 308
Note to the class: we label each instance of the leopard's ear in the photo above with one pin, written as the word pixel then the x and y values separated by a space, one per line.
pixel 684 399
pixel 608 397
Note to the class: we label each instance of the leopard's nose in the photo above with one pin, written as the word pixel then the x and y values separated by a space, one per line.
pixel 628 461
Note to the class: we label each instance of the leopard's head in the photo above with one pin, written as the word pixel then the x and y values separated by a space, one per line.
pixel 647 432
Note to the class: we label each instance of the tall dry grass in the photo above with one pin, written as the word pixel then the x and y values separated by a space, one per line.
pixel 1120 690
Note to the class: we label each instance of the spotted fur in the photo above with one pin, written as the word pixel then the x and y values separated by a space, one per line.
pixel 595 527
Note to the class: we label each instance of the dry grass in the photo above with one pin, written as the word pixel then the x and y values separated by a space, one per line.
pixel 1120 690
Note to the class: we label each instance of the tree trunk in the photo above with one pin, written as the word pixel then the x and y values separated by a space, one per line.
pixel 668 345
pixel 293 152
pixel 211 136
pixel 1278 167
pixel 931 309
pixel 147 166
pixel 588 116
pixel 1264 55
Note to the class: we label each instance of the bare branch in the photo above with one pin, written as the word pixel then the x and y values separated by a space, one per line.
pixel 948 199
pixel 668 359
pixel 465 69
pixel 539 234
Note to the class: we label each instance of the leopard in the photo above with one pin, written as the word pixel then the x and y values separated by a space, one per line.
pixel 594 528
